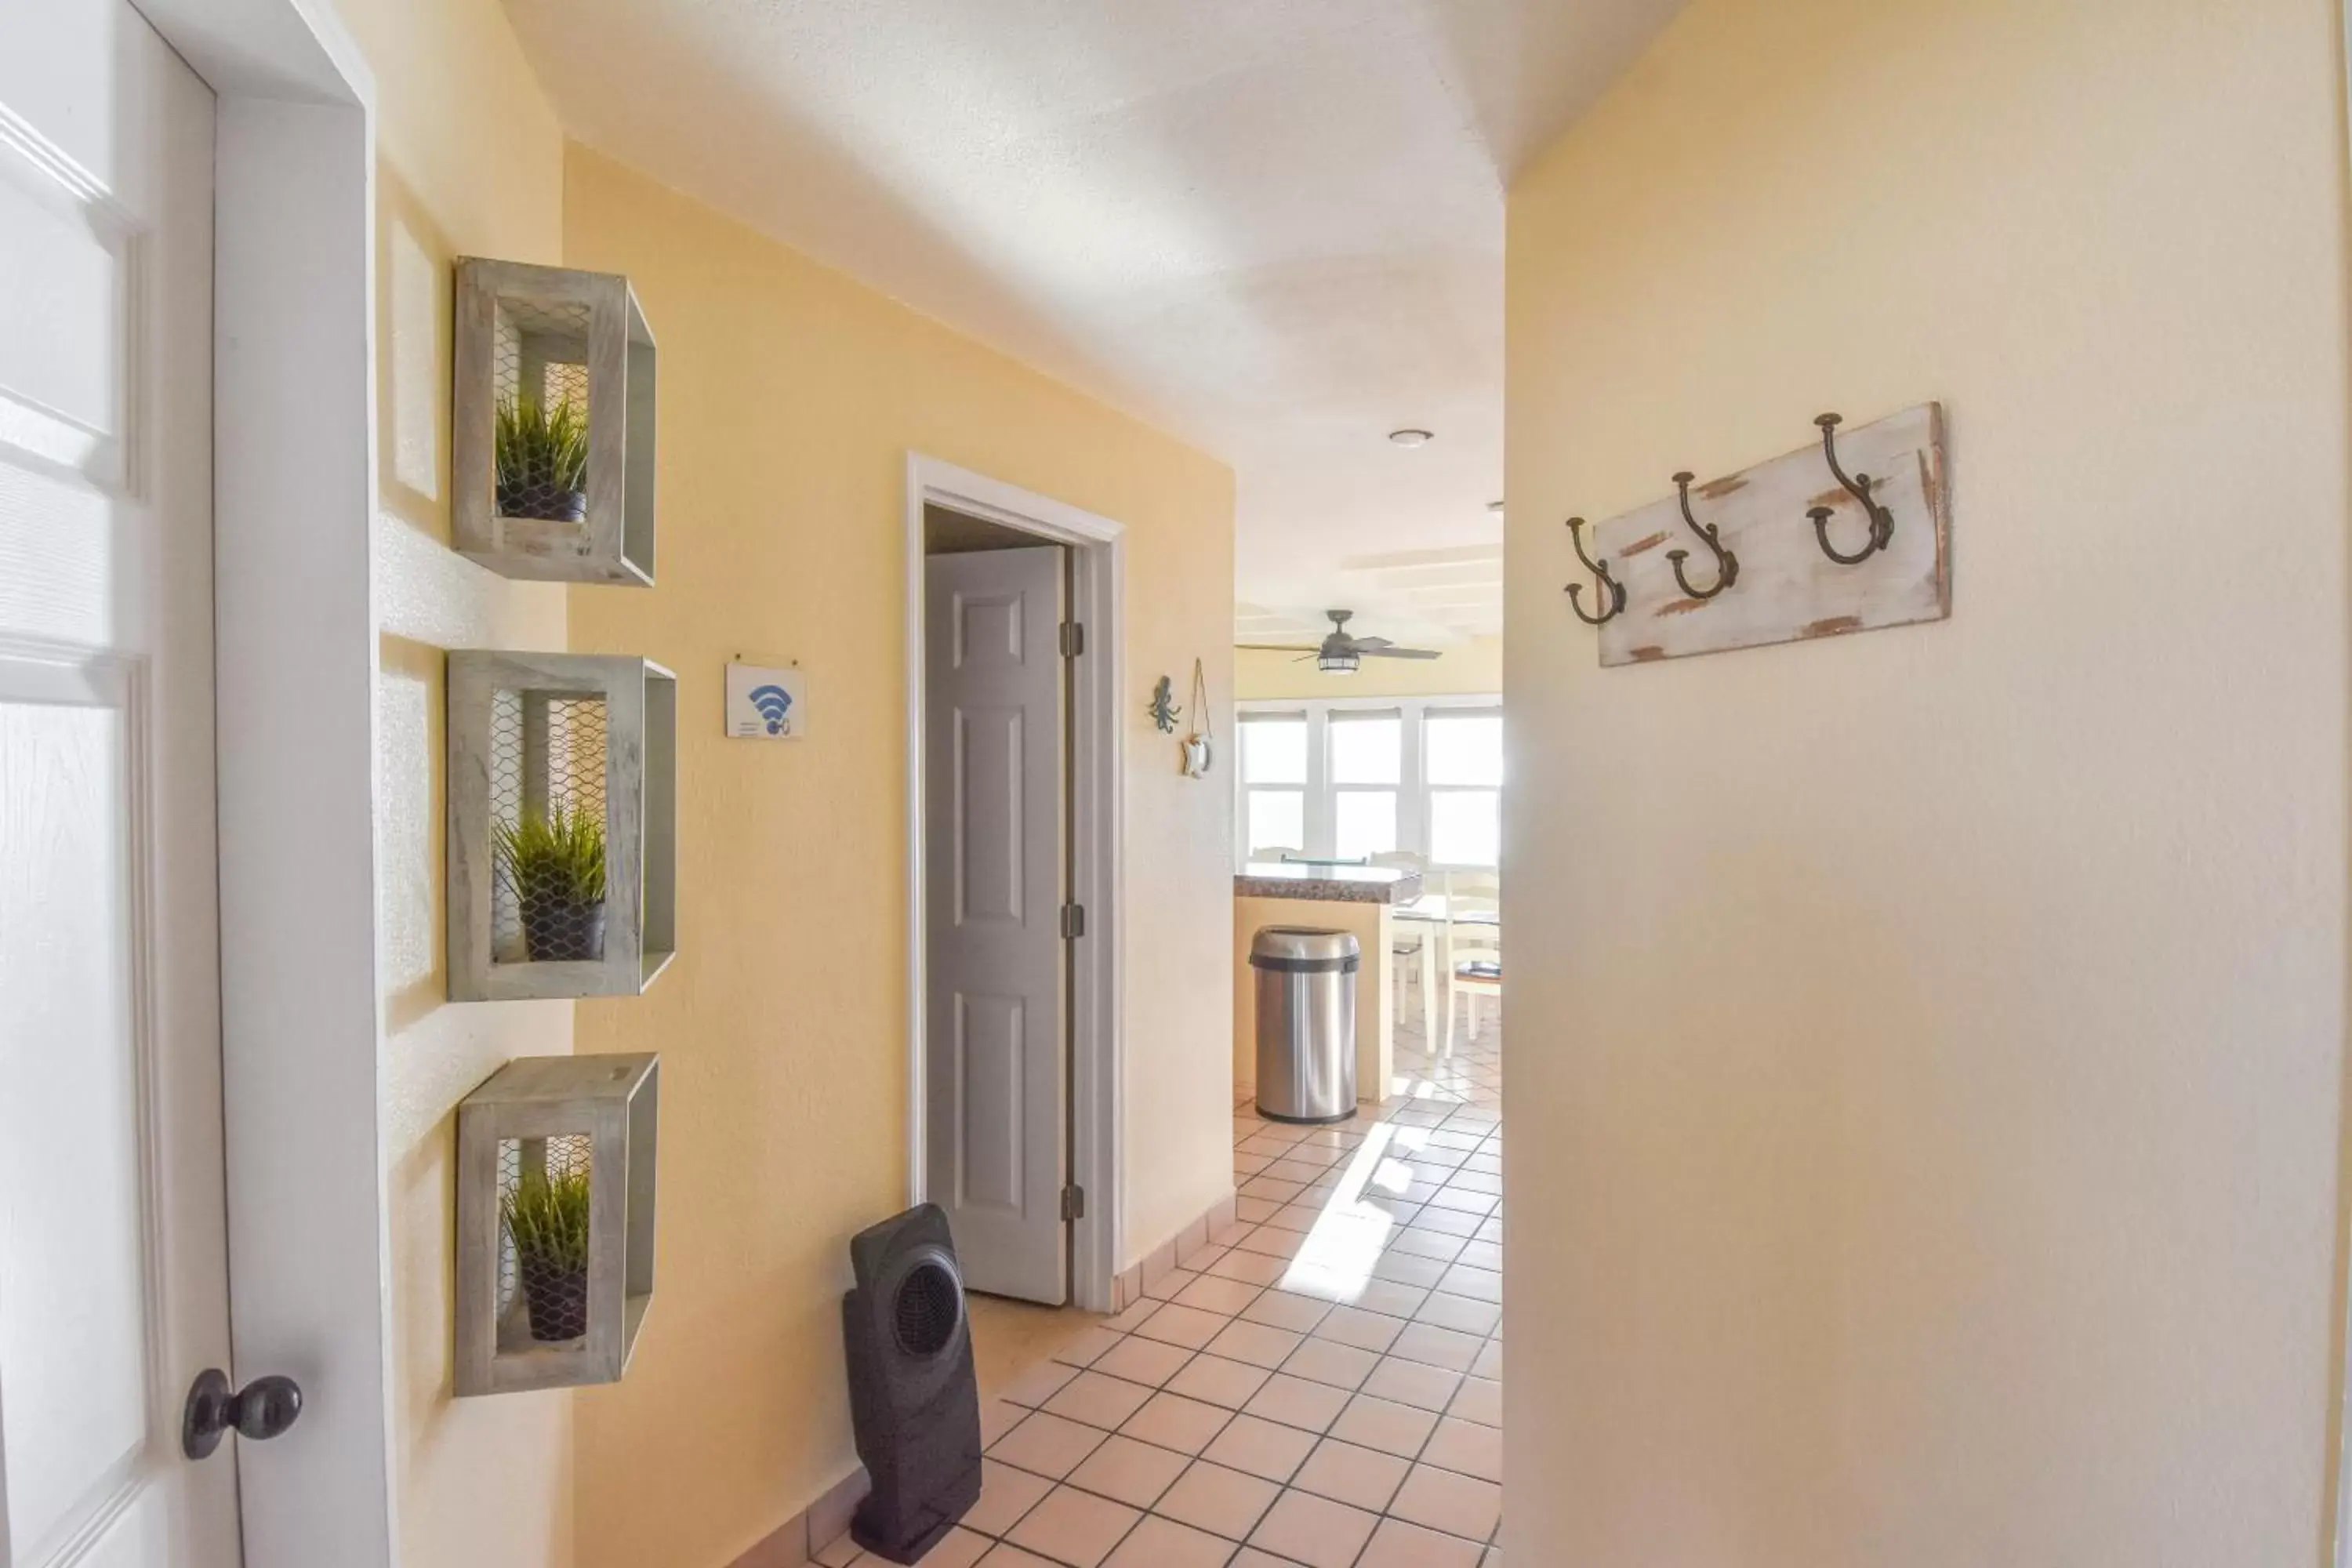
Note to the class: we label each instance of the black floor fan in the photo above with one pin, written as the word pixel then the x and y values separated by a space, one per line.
pixel 913 1399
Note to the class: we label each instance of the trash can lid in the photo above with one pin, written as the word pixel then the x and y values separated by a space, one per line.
pixel 1296 949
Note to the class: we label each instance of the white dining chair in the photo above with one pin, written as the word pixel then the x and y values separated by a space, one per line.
pixel 1473 944
pixel 1414 950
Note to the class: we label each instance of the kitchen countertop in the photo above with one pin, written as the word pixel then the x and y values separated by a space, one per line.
pixel 1326 883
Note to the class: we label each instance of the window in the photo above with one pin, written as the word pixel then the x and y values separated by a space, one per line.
pixel 1273 783
pixel 1367 765
pixel 1347 781
pixel 1464 768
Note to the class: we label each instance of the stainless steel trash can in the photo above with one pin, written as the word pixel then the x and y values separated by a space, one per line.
pixel 1306 1023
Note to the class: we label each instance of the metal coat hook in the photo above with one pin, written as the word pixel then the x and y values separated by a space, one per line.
pixel 1727 564
pixel 1605 586
pixel 1882 521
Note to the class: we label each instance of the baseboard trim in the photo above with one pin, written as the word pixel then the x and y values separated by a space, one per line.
pixel 1176 1252
pixel 821 1524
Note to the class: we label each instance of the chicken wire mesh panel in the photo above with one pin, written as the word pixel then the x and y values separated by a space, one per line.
pixel 548 825
pixel 541 380
pixel 544 1210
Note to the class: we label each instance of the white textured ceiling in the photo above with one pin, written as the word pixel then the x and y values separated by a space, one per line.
pixel 1273 227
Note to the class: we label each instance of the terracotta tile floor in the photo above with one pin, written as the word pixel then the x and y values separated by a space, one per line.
pixel 1319 1387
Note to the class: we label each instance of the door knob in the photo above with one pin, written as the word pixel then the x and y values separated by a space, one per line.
pixel 261 1410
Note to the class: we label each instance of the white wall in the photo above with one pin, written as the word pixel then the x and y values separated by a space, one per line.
pixel 1930 1154
pixel 469 163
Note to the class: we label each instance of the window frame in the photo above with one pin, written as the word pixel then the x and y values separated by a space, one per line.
pixel 1413 792
pixel 1333 788
pixel 1243 789
pixel 1429 792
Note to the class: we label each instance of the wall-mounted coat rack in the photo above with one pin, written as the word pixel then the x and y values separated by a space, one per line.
pixel 1607 594
pixel 1848 533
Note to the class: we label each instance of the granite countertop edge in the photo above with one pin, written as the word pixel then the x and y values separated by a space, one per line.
pixel 1328 891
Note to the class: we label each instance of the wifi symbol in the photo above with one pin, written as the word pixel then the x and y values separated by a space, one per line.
pixel 773 703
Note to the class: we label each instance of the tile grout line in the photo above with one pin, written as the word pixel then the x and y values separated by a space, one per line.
pixel 1486 1145
pixel 1383 1513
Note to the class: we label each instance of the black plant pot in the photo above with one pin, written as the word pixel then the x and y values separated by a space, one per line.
pixel 560 933
pixel 543 503
pixel 557 1299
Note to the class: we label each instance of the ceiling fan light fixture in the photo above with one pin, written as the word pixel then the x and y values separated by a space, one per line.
pixel 1341 652
pixel 1411 438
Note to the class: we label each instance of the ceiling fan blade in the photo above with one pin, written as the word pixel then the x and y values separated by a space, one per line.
pixel 1280 647
pixel 1400 652
pixel 1372 642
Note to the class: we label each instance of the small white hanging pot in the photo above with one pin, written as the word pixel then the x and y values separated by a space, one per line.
pixel 1197 754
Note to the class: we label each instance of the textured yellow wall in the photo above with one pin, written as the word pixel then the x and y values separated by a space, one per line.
pixel 1472 669
pixel 1931 1155
pixel 790 396
pixel 470 161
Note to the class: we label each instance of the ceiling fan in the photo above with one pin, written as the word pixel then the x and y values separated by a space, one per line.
pixel 1340 654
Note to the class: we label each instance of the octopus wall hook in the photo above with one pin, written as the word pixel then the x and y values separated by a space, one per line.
pixel 1162 707
pixel 1882 521
pixel 1607 591
pixel 1727 564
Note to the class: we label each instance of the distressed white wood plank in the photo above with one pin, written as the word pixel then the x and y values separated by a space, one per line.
pixel 1788 590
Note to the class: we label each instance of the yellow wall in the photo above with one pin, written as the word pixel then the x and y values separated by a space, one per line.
pixel 1943 1029
pixel 470 162
pixel 790 396
pixel 1475 669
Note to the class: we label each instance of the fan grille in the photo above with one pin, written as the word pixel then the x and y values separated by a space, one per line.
pixel 928 1306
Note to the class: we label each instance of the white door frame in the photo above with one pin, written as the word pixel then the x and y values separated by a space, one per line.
pixel 2338 1497
pixel 1097 878
pixel 296 668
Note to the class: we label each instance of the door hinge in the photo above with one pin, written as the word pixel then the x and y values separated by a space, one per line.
pixel 1074 1203
pixel 1074 921
pixel 1073 639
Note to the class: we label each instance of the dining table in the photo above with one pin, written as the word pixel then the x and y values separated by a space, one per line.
pixel 1435 955
pixel 1433 908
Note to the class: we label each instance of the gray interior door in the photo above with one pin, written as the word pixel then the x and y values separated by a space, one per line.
pixel 996 1036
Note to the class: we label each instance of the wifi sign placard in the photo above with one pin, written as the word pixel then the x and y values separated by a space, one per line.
pixel 766 703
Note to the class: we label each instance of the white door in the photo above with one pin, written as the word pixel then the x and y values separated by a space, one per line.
pixel 114 1274
pixel 995 1049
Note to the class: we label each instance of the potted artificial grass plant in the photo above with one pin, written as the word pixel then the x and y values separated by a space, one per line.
pixel 554 862
pixel 541 453
pixel 546 1217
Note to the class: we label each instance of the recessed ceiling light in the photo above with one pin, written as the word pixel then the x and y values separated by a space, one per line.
pixel 1409 437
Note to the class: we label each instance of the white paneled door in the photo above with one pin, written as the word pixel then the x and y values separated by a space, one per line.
pixel 113 1273
pixel 995 1040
